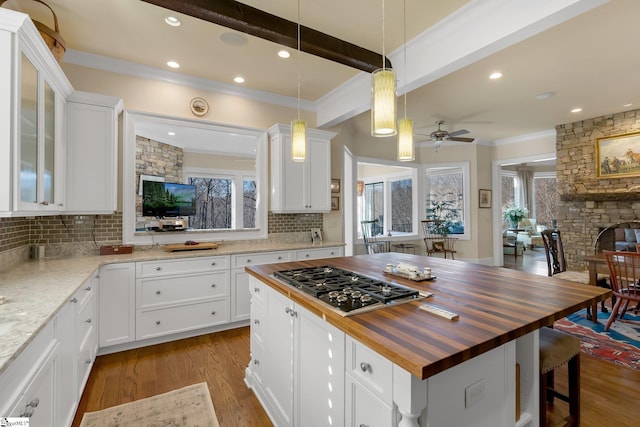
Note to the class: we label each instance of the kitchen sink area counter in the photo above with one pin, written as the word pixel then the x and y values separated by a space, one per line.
pixel 35 290
pixel 433 363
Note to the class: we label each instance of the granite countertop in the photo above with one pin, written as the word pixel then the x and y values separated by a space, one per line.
pixel 35 290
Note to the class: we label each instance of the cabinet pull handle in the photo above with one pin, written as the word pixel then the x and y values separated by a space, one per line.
pixel 256 362
pixel 213 285
pixel 256 290
pixel 44 203
pixel 157 322
pixel 287 310
pixel 279 257
pixel 333 253
pixel 88 361
pixel 256 322
pixel 307 255
pixel 87 321
pixel 213 263
pixel 88 288
pixel 213 313
pixel 364 425
pixel 364 366
pixel 29 407
pixel 158 268
pixel 74 300
pixel 248 261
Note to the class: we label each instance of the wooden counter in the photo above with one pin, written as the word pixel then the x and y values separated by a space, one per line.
pixel 495 305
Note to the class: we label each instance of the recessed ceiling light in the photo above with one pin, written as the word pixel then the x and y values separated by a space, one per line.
pixel 284 54
pixel 238 79
pixel 173 64
pixel 171 133
pixel 545 95
pixel 576 110
pixel 234 39
pixel 495 75
pixel 173 21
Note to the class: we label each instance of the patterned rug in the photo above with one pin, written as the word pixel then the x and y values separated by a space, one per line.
pixel 186 407
pixel 620 344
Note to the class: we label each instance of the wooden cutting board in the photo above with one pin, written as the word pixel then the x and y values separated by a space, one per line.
pixel 184 247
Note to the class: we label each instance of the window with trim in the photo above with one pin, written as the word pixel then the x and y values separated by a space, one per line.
pixel 224 199
pixel 447 198
pixel 545 198
pixel 387 197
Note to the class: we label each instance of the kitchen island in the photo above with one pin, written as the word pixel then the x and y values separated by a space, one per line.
pixel 400 365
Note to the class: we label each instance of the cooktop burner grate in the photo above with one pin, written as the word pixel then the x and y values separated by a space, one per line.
pixel 343 289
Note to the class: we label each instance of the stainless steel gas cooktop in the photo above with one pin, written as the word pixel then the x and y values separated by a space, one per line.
pixel 348 293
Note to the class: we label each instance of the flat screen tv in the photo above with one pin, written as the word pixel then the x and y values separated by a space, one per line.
pixel 168 199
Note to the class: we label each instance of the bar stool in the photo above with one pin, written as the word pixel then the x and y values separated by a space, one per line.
pixel 556 349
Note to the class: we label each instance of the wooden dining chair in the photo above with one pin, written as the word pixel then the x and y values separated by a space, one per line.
pixel 435 240
pixel 624 273
pixel 370 235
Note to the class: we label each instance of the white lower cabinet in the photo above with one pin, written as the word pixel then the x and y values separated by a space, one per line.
pixel 240 293
pixel 365 408
pixel 294 351
pixel 117 304
pixel 38 400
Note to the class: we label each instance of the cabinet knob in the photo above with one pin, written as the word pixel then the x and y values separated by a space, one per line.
pixel 88 361
pixel 333 253
pixel 279 257
pixel 44 203
pixel 213 313
pixel 88 288
pixel 213 263
pixel 213 285
pixel 364 425
pixel 256 290
pixel 157 322
pixel 87 321
pixel 158 268
pixel 364 366
pixel 248 261
pixel 287 310
pixel 74 300
pixel 256 362
pixel 307 255
pixel 61 204
pixel 158 292
pixel 256 322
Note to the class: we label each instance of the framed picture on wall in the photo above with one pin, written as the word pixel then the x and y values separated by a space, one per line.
pixel 335 185
pixel 618 155
pixel 484 198
pixel 335 203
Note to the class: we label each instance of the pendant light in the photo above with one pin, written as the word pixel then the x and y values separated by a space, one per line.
pixel 298 127
pixel 406 146
pixel 383 96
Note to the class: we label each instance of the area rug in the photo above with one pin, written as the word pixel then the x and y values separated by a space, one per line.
pixel 620 344
pixel 190 406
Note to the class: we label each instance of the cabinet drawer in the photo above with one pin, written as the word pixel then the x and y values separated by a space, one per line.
pixel 179 266
pixel 86 319
pixel 258 321
pixel 152 323
pixel 242 260
pixel 85 292
pixel 37 402
pixel 86 357
pixel 257 360
pixel 171 290
pixel 318 253
pixel 371 369
pixel 365 408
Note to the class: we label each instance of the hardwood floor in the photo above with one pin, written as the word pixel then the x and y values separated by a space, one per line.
pixel 607 390
pixel 219 359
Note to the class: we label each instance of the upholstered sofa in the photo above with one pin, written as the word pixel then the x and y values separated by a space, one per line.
pixel 619 237
pixel 531 236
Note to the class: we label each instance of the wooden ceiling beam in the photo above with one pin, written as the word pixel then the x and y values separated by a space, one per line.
pixel 249 20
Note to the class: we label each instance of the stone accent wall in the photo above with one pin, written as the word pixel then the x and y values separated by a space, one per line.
pixel 586 204
pixel 157 159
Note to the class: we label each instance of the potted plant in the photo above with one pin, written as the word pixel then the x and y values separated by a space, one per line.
pixel 446 216
pixel 514 214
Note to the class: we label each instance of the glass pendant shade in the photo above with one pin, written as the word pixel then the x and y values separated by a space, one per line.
pixel 298 140
pixel 383 102
pixel 406 148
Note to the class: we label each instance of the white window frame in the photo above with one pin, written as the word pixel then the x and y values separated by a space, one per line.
pixel 237 178
pixel 447 167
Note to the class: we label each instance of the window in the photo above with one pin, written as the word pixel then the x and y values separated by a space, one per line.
pixel 545 198
pixel 388 197
pixel 446 196
pixel 218 201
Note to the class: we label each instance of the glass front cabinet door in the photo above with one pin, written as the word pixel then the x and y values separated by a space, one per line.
pixel 39 142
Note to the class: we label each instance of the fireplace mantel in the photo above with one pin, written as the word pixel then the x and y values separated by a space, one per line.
pixel 626 196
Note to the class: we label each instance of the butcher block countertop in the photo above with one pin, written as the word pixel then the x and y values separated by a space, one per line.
pixel 495 305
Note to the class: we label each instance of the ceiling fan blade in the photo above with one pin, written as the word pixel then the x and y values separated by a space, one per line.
pixel 458 132
pixel 460 139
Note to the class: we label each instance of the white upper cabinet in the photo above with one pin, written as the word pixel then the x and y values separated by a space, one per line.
pixel 92 153
pixel 300 186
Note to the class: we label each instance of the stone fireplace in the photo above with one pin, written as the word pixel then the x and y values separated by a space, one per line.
pixel 589 202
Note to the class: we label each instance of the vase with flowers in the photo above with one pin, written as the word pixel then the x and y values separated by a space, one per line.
pixel 514 214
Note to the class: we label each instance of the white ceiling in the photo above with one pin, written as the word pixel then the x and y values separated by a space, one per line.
pixel 589 61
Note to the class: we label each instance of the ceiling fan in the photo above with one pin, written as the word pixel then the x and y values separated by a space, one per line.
pixel 442 135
